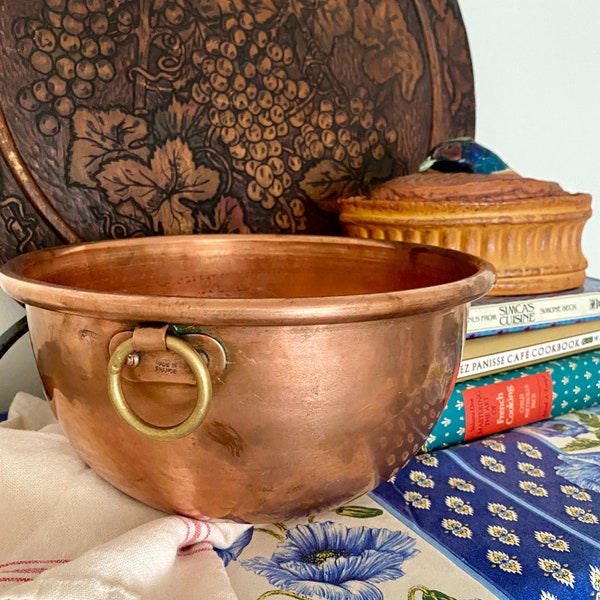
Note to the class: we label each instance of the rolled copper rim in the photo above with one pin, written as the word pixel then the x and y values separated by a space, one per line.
pixel 243 311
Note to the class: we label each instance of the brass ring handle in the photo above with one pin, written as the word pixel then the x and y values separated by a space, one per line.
pixel 203 381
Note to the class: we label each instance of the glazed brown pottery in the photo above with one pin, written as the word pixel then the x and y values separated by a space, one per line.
pixel 529 229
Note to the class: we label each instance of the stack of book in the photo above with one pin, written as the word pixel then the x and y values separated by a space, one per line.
pixel 526 358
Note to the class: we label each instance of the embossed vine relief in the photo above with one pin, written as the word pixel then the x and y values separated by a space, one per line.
pixel 232 117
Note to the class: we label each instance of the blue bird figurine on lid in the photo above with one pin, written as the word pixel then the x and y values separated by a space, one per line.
pixel 463 155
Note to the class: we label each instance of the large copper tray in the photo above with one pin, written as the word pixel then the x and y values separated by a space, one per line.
pixel 124 118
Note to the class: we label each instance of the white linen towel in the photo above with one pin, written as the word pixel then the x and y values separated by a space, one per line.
pixel 66 533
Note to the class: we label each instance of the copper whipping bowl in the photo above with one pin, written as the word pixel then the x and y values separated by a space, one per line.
pixel 319 365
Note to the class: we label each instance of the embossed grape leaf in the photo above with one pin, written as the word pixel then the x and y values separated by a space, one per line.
pixel 330 20
pixel 391 50
pixel 376 172
pixel 182 120
pixel 328 181
pixel 228 216
pixel 99 136
pixel 160 185
pixel 263 10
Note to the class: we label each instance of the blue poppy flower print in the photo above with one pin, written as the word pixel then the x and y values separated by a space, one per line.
pixel 560 428
pixel 335 562
pixel 583 470
pixel 231 553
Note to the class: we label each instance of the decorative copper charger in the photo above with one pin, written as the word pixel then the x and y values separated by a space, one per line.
pixel 125 118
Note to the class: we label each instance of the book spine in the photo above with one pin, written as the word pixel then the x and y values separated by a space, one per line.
pixel 514 316
pixel 535 353
pixel 488 332
pixel 513 398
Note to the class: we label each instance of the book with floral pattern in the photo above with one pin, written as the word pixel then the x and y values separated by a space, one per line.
pixel 562 385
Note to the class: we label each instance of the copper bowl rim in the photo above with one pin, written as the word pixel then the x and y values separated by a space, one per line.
pixel 243 311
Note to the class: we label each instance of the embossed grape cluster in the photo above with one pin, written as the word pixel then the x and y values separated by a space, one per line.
pixel 71 48
pixel 273 121
pixel 347 129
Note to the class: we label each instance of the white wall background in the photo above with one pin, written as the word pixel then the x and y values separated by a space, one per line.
pixel 537 85
pixel 537 92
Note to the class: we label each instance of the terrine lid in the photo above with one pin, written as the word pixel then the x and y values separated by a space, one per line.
pixel 436 186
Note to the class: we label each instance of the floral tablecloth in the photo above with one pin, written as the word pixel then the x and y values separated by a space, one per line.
pixel 513 516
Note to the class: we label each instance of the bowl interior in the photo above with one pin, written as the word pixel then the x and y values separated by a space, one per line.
pixel 249 267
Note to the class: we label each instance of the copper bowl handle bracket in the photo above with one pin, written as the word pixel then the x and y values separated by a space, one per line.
pixel 203 398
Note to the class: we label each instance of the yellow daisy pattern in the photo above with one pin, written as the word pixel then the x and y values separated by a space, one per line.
pixel 421 479
pixel 503 512
pixel 504 561
pixel 503 535
pixel 461 484
pixel 559 572
pixel 523 504
pixel 457 528
pixel 530 469
pixel 459 506
pixel 417 500
pixel 529 450
pixel 580 514
pixel 552 541
pixel 495 445
pixel 535 489
pixel 574 492
pixel 429 460
pixel 492 464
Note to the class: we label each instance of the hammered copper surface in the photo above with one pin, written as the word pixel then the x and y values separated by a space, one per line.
pixel 340 355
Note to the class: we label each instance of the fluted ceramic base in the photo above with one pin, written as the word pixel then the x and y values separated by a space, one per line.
pixel 529 230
